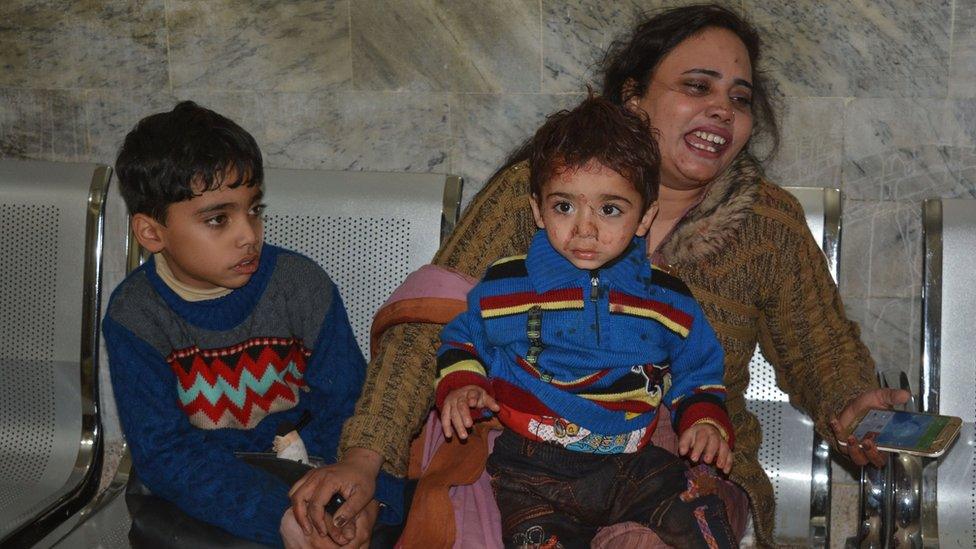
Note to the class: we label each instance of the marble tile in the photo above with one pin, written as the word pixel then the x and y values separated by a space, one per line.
pixel 357 131
pixel 891 329
pixel 881 249
pixel 575 36
pixel 446 45
pixel 42 124
pixel 487 127
pixel 860 48
pixel 64 44
pixel 811 148
pixel 902 149
pixel 111 114
pixel 300 46
pixel 844 508
pixel 962 69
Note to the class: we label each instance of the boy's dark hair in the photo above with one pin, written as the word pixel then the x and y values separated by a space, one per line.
pixel 173 156
pixel 596 130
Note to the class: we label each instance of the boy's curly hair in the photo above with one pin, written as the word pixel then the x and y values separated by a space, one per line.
pixel 596 130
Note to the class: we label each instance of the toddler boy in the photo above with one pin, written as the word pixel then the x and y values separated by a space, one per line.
pixel 577 344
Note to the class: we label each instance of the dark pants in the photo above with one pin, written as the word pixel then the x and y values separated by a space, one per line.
pixel 553 497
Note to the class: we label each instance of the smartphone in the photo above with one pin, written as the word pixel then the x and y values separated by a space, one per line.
pixel 913 433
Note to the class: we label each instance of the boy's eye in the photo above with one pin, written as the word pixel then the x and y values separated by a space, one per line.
pixel 216 221
pixel 610 210
pixel 563 207
pixel 257 209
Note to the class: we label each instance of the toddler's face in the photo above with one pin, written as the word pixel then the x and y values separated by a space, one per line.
pixel 590 214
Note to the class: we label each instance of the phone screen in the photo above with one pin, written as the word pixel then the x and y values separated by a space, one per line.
pixel 898 429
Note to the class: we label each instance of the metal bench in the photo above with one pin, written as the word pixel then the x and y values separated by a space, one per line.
pixel 51 231
pixel 947 509
pixel 794 457
pixel 368 230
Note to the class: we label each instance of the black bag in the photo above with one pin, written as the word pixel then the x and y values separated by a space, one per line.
pixel 159 524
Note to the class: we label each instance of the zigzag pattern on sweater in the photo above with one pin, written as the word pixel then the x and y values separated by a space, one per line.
pixel 236 387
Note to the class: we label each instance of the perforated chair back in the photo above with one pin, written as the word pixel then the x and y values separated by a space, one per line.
pixel 368 230
pixel 948 384
pixel 794 457
pixel 51 227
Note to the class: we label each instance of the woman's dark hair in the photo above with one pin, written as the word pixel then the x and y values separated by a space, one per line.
pixel 629 63
pixel 638 54
pixel 173 156
pixel 596 130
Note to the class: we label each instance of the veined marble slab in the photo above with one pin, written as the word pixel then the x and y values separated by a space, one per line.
pixel 379 131
pixel 300 45
pixel 859 48
pixel 448 45
pixel 881 255
pixel 61 44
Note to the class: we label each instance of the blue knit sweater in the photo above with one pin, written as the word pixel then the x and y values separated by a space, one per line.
pixel 195 382
pixel 600 349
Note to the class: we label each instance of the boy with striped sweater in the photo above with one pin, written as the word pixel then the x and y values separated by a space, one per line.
pixel 577 344
pixel 219 340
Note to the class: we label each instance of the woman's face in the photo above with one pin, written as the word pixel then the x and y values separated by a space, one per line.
pixel 699 101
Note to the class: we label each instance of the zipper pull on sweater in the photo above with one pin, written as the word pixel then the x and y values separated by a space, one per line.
pixel 594 284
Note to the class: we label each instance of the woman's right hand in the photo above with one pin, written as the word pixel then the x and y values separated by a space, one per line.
pixel 354 478
pixel 865 451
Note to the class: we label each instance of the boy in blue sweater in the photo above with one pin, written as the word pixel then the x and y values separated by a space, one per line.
pixel 577 344
pixel 219 339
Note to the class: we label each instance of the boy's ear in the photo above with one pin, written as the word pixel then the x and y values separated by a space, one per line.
pixel 148 232
pixel 536 213
pixel 645 223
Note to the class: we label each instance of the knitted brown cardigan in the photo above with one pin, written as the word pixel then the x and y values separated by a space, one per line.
pixel 749 258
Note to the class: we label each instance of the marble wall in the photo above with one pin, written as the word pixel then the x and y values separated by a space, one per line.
pixel 877 97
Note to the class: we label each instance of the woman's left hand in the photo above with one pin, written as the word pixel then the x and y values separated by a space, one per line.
pixel 865 451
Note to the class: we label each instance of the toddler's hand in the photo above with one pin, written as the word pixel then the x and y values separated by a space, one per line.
pixel 456 410
pixel 704 443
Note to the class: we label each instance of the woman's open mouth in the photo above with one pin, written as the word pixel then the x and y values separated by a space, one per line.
pixel 709 142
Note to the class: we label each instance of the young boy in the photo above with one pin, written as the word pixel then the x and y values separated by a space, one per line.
pixel 577 344
pixel 219 339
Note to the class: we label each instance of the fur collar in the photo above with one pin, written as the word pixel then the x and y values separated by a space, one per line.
pixel 711 225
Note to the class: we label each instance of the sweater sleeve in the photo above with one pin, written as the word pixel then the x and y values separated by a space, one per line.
pixel 334 375
pixel 817 352
pixel 399 387
pixel 697 392
pixel 459 360
pixel 174 459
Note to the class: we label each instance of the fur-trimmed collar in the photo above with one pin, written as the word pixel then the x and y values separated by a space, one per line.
pixel 708 227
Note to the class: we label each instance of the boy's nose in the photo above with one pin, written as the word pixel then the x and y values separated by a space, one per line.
pixel 249 234
pixel 585 227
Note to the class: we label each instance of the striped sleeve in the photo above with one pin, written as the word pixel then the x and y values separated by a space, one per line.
pixel 698 369
pixel 459 362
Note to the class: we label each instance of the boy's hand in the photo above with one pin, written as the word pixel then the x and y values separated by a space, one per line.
pixel 704 443
pixel 456 410
pixel 354 478
pixel 294 538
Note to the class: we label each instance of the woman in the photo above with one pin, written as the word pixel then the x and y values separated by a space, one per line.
pixel 739 242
